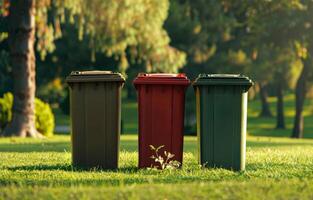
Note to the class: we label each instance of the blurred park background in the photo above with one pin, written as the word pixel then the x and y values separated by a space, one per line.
pixel 269 41
pixel 42 41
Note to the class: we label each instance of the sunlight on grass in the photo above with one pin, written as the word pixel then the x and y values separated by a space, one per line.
pixel 46 165
pixel 276 166
pixel 266 126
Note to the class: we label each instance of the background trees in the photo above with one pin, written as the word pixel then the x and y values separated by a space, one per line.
pixel 271 41
pixel 113 27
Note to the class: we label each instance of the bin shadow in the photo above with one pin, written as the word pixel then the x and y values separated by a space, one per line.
pixel 61 167
pixel 71 168
pixel 252 167
pixel 128 146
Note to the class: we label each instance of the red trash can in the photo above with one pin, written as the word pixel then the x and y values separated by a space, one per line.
pixel 161 107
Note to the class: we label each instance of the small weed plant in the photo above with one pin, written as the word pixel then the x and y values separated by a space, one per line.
pixel 166 161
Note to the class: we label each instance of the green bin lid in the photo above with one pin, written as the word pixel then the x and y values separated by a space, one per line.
pixel 223 79
pixel 94 76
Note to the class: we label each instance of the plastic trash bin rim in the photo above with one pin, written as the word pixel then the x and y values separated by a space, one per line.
pixel 222 79
pixel 162 78
pixel 94 76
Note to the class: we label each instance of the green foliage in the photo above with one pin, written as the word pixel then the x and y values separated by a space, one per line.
pixel 5 70
pixel 288 67
pixel 227 36
pixel 6 104
pixel 65 104
pixel 280 31
pixel 4 7
pixel 112 27
pixel 115 28
pixel 52 92
pixel 44 117
pixel 210 32
pixel 276 65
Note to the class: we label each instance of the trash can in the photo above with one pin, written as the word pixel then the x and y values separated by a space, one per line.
pixel 95 107
pixel 161 106
pixel 221 101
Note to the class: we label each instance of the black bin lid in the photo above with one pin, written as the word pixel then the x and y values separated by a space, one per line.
pixel 94 76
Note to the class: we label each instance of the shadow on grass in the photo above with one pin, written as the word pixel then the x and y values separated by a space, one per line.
pixel 126 145
pixel 90 182
pixel 36 147
pixel 272 167
pixel 261 126
pixel 62 167
pixel 130 146
pixel 152 176
pixel 262 144
pixel 69 167
pixel 144 176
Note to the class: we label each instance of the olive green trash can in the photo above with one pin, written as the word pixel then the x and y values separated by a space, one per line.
pixel 95 107
pixel 221 101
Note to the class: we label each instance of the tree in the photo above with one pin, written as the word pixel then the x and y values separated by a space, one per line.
pixel 21 44
pixel 261 70
pixel 286 72
pixel 114 27
pixel 265 107
pixel 211 33
pixel 301 88
pixel 304 21
pixel 275 27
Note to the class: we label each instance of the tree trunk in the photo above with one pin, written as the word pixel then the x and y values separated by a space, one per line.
pixel 21 44
pixel 297 131
pixel 265 109
pixel 280 118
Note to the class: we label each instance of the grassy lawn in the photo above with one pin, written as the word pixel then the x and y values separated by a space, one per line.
pixel 266 126
pixel 277 167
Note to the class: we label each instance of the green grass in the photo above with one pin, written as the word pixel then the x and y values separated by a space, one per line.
pixel 276 168
pixel 130 116
pixel 266 126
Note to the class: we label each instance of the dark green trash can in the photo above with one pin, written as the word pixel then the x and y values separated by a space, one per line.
pixel 221 119
pixel 95 106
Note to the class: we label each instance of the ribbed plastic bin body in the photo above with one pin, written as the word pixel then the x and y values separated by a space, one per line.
pixel 221 120
pixel 95 106
pixel 161 105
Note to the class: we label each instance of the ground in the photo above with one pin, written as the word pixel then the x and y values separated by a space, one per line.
pixel 277 168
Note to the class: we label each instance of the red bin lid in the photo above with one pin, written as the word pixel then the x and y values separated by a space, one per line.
pixel 162 79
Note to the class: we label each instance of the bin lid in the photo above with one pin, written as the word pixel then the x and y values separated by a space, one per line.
pixel 94 76
pixel 223 79
pixel 162 79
